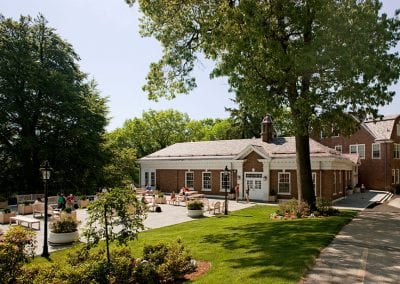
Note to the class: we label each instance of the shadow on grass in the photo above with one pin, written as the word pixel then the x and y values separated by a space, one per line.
pixel 275 249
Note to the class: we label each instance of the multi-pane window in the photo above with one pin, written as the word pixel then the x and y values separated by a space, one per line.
pixel 339 148
pixel 225 181
pixel 284 183
pixel 376 151
pixel 358 149
pixel 206 186
pixel 393 176
pixel 396 151
pixel 398 129
pixel 189 179
pixel 314 182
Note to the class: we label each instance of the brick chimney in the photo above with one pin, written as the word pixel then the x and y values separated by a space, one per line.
pixel 267 129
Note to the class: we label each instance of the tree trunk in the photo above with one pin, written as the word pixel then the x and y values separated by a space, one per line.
pixel 304 176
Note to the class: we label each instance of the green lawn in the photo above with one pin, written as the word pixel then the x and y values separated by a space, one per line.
pixel 248 247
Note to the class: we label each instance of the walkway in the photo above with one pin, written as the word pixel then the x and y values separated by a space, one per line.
pixel 367 250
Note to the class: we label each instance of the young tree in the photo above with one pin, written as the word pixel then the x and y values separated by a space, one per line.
pixel 315 58
pixel 48 111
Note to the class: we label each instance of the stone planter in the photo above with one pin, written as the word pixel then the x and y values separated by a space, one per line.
pixel 356 190
pixel 5 217
pixel 231 196
pixel 25 209
pixel 63 238
pixel 272 198
pixel 195 213
pixel 83 203
pixel 349 192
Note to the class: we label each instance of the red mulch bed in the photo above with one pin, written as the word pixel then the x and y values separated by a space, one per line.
pixel 202 268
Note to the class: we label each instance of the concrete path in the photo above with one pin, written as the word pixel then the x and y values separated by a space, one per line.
pixel 367 250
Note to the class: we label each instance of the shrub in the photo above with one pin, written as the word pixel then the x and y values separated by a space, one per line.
pixel 325 208
pixel 6 210
pixel 17 247
pixel 64 225
pixel 170 262
pixel 294 207
pixel 195 205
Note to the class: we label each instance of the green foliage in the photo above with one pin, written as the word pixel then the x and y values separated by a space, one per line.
pixel 17 248
pixel 195 205
pixel 50 110
pixel 169 261
pixel 294 207
pixel 324 208
pixel 66 224
pixel 122 209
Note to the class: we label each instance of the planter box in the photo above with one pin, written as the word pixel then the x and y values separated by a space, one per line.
pixel 231 196
pixel 25 209
pixel 63 238
pixel 195 213
pixel 5 217
pixel 349 192
pixel 83 203
pixel 272 198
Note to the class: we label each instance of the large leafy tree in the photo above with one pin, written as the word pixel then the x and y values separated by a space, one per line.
pixel 48 110
pixel 315 58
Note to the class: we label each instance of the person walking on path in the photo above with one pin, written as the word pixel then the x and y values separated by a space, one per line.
pixel 247 194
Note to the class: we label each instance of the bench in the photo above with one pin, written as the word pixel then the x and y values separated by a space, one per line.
pixel 19 220
pixel 38 208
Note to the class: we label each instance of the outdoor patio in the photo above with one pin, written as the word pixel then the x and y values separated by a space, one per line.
pixel 170 215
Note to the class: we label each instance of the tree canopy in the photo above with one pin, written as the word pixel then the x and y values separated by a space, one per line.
pixel 315 58
pixel 48 110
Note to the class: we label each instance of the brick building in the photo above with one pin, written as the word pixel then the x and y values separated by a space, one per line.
pixel 262 164
pixel 378 144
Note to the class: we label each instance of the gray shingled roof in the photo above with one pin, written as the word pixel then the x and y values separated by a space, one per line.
pixel 279 147
pixel 381 129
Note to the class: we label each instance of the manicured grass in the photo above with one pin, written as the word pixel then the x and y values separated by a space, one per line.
pixel 246 246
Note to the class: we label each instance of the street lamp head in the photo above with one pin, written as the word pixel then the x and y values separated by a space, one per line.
pixel 45 169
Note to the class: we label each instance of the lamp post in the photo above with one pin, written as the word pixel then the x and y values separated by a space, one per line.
pixel 46 171
pixel 226 173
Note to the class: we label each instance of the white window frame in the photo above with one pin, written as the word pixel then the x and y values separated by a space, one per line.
pixel 339 148
pixel 334 183
pixel 378 150
pixel 314 181
pixel 150 178
pixel 279 183
pixel 204 182
pixel 227 184
pixel 396 151
pixel 188 181
pixel 358 148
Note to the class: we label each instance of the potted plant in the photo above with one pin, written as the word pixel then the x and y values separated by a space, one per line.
pixel 195 208
pixel 83 201
pixel 68 213
pixel 272 196
pixel 5 215
pixel 25 208
pixel 3 202
pixel 161 199
pixel 63 231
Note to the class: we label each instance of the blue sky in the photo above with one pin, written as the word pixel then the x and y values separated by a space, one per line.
pixel 105 34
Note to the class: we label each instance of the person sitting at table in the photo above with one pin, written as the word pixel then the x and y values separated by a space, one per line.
pixel 38 201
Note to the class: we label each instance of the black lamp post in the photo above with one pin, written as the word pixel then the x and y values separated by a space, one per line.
pixel 226 173
pixel 46 171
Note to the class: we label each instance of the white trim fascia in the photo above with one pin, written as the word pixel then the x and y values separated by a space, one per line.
pixel 246 151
